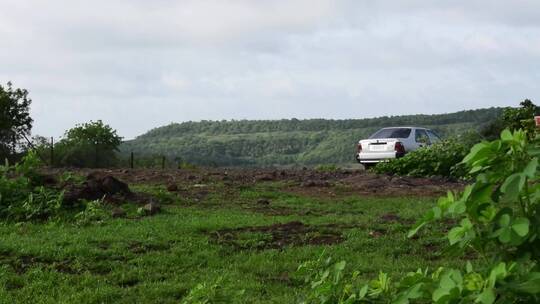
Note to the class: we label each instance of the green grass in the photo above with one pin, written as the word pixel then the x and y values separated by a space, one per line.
pixel 160 259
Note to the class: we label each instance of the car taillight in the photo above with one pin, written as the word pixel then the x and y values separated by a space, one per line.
pixel 359 148
pixel 399 147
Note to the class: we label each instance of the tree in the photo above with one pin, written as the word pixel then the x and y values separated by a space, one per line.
pixel 92 144
pixel 15 120
pixel 513 119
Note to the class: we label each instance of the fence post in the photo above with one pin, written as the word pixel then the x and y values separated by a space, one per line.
pixel 52 151
pixel 163 162
pixel 131 160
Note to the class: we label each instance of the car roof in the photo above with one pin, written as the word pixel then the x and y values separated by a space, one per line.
pixel 405 127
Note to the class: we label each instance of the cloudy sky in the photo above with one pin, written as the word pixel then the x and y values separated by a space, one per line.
pixel 139 64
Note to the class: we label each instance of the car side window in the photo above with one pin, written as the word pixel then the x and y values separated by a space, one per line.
pixel 422 137
pixel 433 136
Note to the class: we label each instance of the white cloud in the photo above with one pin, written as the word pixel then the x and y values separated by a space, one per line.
pixel 140 64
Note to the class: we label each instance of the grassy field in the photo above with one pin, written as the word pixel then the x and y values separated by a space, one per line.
pixel 227 233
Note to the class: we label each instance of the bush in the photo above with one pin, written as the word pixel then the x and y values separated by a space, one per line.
pixel 441 159
pixel 93 213
pixel 499 220
pixel 513 119
pixel 21 197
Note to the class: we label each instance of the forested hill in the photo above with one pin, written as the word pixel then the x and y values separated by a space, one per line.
pixel 287 141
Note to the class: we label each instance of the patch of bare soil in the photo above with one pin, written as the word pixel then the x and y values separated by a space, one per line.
pixel 141 248
pixel 20 264
pixel 394 218
pixel 302 181
pixel 278 236
pixel 377 185
pixel 271 210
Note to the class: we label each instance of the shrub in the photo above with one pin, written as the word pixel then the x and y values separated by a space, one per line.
pixel 441 159
pixel 499 220
pixel 21 197
pixel 92 213
pixel 513 119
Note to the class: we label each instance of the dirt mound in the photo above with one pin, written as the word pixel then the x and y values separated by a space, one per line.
pixel 97 187
pixel 277 236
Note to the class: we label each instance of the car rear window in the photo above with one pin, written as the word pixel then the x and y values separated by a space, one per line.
pixel 392 133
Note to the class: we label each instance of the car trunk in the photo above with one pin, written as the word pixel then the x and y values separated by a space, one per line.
pixel 379 145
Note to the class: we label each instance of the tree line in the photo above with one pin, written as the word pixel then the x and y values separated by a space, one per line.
pixel 285 142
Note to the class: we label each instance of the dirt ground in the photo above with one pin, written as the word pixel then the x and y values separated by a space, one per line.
pixel 302 181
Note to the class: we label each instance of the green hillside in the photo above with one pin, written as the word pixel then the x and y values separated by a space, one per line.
pixel 287 141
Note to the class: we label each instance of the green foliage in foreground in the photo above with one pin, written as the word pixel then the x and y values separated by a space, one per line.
pixel 24 198
pixel 21 196
pixel 499 221
pixel 174 256
pixel 440 159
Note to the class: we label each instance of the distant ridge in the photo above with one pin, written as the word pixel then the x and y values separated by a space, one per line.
pixel 287 141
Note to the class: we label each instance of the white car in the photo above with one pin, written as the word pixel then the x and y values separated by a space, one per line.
pixel 393 142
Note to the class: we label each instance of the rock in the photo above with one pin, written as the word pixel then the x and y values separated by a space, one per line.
pixel 263 201
pixel 87 191
pixel 265 178
pixel 315 183
pixel 48 180
pixel 118 212
pixel 172 187
pixel 151 208
pixel 111 185
pixel 94 188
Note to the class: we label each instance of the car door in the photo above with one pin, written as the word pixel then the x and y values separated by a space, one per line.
pixel 421 138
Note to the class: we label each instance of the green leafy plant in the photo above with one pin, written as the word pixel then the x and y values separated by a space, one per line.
pixel 327 283
pixel 210 293
pixel 499 221
pixel 71 178
pixel 93 213
pixel 21 196
pixel 440 159
pixel 28 167
pixel 42 203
